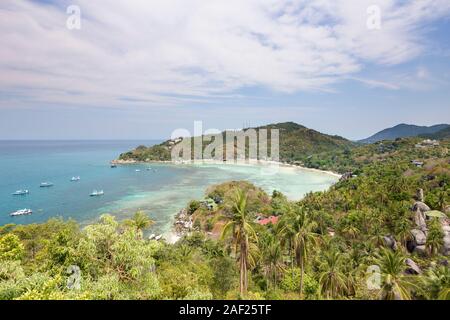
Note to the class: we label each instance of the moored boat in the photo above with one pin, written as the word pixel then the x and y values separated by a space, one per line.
pixel 20 193
pixel 46 184
pixel 75 179
pixel 96 193
pixel 22 212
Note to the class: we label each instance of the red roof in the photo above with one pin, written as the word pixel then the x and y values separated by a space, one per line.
pixel 271 219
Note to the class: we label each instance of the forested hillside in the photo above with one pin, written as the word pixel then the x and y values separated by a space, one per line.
pixel 296 143
pixel 390 215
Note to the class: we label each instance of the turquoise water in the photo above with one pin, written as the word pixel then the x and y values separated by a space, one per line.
pixel 160 192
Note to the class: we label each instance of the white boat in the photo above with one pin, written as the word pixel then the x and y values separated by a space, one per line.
pixel 113 165
pixel 20 192
pixel 148 169
pixel 157 238
pixel 138 170
pixel 75 178
pixel 22 212
pixel 96 193
pixel 46 184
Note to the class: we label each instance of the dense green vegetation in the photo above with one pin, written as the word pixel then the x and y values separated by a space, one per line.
pixel 296 143
pixel 325 246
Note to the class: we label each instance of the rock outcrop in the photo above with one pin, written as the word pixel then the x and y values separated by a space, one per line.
pixel 419 195
pixel 390 242
pixel 446 230
pixel 420 237
pixel 413 268
pixel 420 209
pixel 419 234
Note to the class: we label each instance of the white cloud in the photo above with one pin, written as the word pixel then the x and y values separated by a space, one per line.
pixel 176 51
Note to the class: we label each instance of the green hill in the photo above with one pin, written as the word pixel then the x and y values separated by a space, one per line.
pixel 297 143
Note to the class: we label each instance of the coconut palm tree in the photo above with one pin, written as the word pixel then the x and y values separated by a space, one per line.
pixel 241 231
pixel 140 222
pixel 332 280
pixel 272 259
pixel 299 229
pixel 396 285
pixel 437 283
pixel 403 231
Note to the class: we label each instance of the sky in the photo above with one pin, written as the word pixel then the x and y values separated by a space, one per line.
pixel 139 69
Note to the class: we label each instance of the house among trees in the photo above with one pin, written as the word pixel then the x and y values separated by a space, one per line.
pixel 264 221
pixel 428 143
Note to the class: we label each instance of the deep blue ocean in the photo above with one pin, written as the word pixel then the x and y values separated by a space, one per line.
pixel 25 164
pixel 160 192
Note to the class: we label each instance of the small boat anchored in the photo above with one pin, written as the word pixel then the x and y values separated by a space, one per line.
pixel 22 212
pixel 21 193
pixel 75 179
pixel 46 184
pixel 96 193
pixel 113 165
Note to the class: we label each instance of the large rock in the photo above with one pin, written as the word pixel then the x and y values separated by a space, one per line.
pixel 413 268
pixel 446 229
pixel 420 206
pixel 421 250
pixel 419 237
pixel 420 220
pixel 419 195
pixel 390 242
pixel 447 209
pixel 446 247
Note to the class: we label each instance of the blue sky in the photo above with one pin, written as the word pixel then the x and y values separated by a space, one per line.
pixel 141 69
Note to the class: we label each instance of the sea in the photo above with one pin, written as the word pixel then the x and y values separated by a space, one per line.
pixel 159 189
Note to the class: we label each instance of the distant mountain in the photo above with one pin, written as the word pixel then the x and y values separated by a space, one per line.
pixel 440 135
pixel 403 131
pixel 297 143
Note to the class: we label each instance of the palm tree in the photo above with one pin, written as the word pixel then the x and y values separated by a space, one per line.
pixel 272 259
pixel 437 283
pixel 435 237
pixel 396 285
pixel 332 280
pixel 403 231
pixel 442 197
pixel 350 231
pixel 242 233
pixel 299 232
pixel 140 222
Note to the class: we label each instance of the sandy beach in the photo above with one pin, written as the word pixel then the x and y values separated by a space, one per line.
pixel 265 163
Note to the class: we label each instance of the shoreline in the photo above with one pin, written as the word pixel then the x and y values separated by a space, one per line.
pixel 267 163
pixel 174 234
